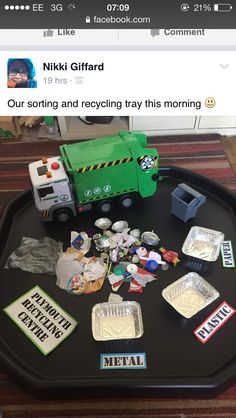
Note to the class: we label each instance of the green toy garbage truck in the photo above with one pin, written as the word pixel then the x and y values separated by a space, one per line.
pixel 95 172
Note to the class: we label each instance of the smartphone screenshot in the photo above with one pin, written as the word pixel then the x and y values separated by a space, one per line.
pixel 118 207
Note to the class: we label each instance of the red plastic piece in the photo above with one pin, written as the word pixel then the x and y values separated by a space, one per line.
pixel 170 256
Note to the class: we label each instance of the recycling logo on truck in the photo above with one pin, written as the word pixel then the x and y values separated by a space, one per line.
pixel 97 190
pixel 88 193
pixel 107 188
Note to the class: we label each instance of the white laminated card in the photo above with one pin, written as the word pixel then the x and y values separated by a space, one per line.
pixel 43 321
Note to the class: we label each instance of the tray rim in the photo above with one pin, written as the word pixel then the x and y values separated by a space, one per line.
pixel 169 387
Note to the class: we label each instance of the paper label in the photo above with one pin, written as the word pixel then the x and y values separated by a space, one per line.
pixel 123 361
pixel 215 321
pixel 43 321
pixel 227 254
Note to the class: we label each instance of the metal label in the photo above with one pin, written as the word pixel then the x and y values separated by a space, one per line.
pixel 215 321
pixel 123 361
pixel 227 254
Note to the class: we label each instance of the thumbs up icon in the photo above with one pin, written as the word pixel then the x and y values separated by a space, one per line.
pixel 48 33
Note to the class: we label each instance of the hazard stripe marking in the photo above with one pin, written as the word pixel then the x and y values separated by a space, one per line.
pixel 104 165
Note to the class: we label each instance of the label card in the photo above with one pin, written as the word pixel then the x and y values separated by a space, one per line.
pixel 43 321
pixel 215 321
pixel 227 254
pixel 123 361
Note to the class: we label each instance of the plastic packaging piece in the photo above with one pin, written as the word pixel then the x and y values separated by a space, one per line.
pixel 80 241
pixel 135 233
pixel 68 266
pixel 122 239
pixel 94 286
pixel 114 298
pixel 185 202
pixel 108 233
pixel 143 279
pixel 135 287
pixel 94 270
pixel 117 321
pixel 103 243
pixel 77 285
pixel 36 256
pixel 153 255
pixel 189 294
pixel 164 266
pixel 77 242
pixel 114 255
pixel 170 256
pixel 73 270
pixel 114 278
pixel 117 285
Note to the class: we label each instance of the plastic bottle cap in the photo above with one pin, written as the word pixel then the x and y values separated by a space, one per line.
pixel 151 265
pixel 142 251
pixel 119 270
pixel 132 268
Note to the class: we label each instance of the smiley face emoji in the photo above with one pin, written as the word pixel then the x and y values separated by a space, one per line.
pixel 210 102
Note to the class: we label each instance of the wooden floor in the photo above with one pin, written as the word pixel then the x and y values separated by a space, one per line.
pixel 229 145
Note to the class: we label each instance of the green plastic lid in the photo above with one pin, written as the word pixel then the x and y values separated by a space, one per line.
pixel 119 270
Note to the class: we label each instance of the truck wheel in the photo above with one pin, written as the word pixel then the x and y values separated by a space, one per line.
pixel 127 201
pixel 62 215
pixel 105 206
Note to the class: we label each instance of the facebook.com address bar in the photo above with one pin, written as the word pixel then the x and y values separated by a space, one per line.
pixel 119 20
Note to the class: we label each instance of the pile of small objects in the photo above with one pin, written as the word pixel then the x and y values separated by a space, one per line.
pixel 127 259
pixel 123 255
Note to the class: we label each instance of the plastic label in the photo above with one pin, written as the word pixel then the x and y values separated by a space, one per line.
pixel 215 321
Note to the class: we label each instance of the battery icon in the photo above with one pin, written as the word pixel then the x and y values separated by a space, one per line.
pixel 222 7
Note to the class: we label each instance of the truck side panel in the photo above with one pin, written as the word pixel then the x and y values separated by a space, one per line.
pixel 105 180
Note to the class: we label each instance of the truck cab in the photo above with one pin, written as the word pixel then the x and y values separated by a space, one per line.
pixel 51 189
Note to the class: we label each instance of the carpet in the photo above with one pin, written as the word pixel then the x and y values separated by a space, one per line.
pixel 203 154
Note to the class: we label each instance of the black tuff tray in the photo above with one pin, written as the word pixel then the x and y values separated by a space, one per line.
pixel 176 361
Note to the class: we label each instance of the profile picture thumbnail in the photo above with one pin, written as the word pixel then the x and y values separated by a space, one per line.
pixel 21 73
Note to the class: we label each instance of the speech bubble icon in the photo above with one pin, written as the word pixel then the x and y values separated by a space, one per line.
pixel 155 32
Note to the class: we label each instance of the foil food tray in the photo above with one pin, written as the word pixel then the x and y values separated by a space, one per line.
pixel 117 321
pixel 203 243
pixel 190 294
